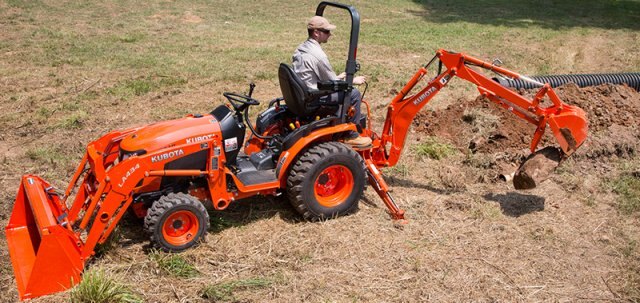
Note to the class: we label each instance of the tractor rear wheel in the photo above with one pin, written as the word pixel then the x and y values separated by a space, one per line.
pixel 327 181
pixel 176 222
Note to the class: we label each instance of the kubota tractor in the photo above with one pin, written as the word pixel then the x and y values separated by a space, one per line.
pixel 168 171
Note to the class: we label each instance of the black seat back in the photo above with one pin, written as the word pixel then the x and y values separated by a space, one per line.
pixel 296 94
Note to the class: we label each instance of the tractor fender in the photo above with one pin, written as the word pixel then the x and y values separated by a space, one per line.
pixel 294 149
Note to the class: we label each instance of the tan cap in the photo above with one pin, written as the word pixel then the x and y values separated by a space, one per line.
pixel 319 22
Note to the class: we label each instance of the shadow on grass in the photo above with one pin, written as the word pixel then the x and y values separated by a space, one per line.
pixel 253 209
pixel 240 213
pixel 516 204
pixel 401 182
pixel 606 14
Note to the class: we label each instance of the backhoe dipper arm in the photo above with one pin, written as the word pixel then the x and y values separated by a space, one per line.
pixel 568 123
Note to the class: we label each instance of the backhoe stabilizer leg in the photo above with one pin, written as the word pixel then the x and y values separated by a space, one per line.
pixel 381 187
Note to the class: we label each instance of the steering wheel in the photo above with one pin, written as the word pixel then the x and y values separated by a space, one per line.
pixel 240 102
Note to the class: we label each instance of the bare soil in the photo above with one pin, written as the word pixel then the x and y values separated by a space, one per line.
pixel 613 112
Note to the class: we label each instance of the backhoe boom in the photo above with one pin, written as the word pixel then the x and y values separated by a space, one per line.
pixel 568 123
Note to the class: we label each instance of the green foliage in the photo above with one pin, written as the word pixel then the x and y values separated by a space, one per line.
pixel 628 189
pixel 220 223
pixel 97 287
pixel 174 265
pixel 432 148
pixel 131 38
pixel 74 120
pixel 24 4
pixel 629 250
pixel 400 170
pixel 110 243
pixel 47 155
pixel 224 291
pixel 485 211
pixel 44 113
pixel 479 160
pixel 142 86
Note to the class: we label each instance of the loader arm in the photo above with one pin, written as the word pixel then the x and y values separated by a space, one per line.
pixel 52 235
pixel 568 123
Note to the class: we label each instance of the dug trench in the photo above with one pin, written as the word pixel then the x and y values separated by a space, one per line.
pixel 483 130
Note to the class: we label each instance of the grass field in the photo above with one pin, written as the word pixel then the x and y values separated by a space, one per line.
pixel 73 70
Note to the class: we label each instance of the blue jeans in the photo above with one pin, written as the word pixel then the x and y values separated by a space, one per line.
pixel 336 99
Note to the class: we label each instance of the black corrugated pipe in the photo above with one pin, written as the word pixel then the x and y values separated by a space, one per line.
pixel 631 79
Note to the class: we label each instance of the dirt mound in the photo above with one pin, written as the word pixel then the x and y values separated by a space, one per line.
pixel 480 126
pixel 483 126
pixel 606 105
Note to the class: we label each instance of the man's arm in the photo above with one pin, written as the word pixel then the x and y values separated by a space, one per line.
pixel 325 71
pixel 356 80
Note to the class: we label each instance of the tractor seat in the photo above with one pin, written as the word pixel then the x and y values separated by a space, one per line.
pixel 300 99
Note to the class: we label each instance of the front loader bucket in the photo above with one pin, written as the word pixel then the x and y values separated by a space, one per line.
pixel 570 128
pixel 45 253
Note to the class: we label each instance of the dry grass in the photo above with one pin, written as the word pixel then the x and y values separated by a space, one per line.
pixel 67 78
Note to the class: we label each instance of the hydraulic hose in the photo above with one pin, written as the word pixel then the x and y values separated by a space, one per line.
pixel 582 80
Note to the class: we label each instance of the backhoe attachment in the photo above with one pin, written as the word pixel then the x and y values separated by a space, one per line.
pixel 568 123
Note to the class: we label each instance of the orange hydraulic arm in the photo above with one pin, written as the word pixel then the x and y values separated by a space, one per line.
pixel 568 123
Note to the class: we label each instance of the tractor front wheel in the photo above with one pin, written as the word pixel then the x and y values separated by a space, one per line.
pixel 176 222
pixel 327 181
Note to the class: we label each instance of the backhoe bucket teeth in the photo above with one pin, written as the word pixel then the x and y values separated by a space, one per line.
pixel 45 253
pixel 570 128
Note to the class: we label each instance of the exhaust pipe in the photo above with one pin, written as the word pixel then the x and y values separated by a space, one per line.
pixel 506 177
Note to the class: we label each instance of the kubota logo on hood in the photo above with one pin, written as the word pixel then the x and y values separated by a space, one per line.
pixel 167 155
pixel 199 138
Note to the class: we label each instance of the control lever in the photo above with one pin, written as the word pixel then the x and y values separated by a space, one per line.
pixel 251 87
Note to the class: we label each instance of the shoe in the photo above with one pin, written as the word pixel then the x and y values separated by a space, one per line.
pixel 359 142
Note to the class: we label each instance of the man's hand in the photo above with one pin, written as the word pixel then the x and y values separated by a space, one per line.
pixel 359 80
pixel 356 80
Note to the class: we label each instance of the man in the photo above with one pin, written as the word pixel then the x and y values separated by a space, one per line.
pixel 312 65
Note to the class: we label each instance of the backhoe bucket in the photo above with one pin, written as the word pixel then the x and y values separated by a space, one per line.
pixel 570 128
pixel 45 253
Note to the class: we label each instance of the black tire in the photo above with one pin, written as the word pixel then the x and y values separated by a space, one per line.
pixel 305 180
pixel 189 226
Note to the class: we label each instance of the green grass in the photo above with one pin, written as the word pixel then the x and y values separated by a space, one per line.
pixel 110 244
pixel 98 287
pixel 219 223
pixel 225 291
pixel 142 86
pixel 399 170
pixel 433 148
pixel 43 113
pixel 47 155
pixel 485 211
pixel 73 120
pixel 174 265
pixel 628 189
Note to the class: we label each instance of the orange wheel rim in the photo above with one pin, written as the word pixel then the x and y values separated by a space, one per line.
pixel 180 227
pixel 333 185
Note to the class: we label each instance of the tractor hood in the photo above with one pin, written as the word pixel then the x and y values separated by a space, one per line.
pixel 160 135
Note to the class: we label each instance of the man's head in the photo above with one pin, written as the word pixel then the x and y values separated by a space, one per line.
pixel 319 29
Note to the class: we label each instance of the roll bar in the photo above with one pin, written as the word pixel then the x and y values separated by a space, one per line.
pixel 351 66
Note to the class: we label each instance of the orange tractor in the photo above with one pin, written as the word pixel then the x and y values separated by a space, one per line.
pixel 168 171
